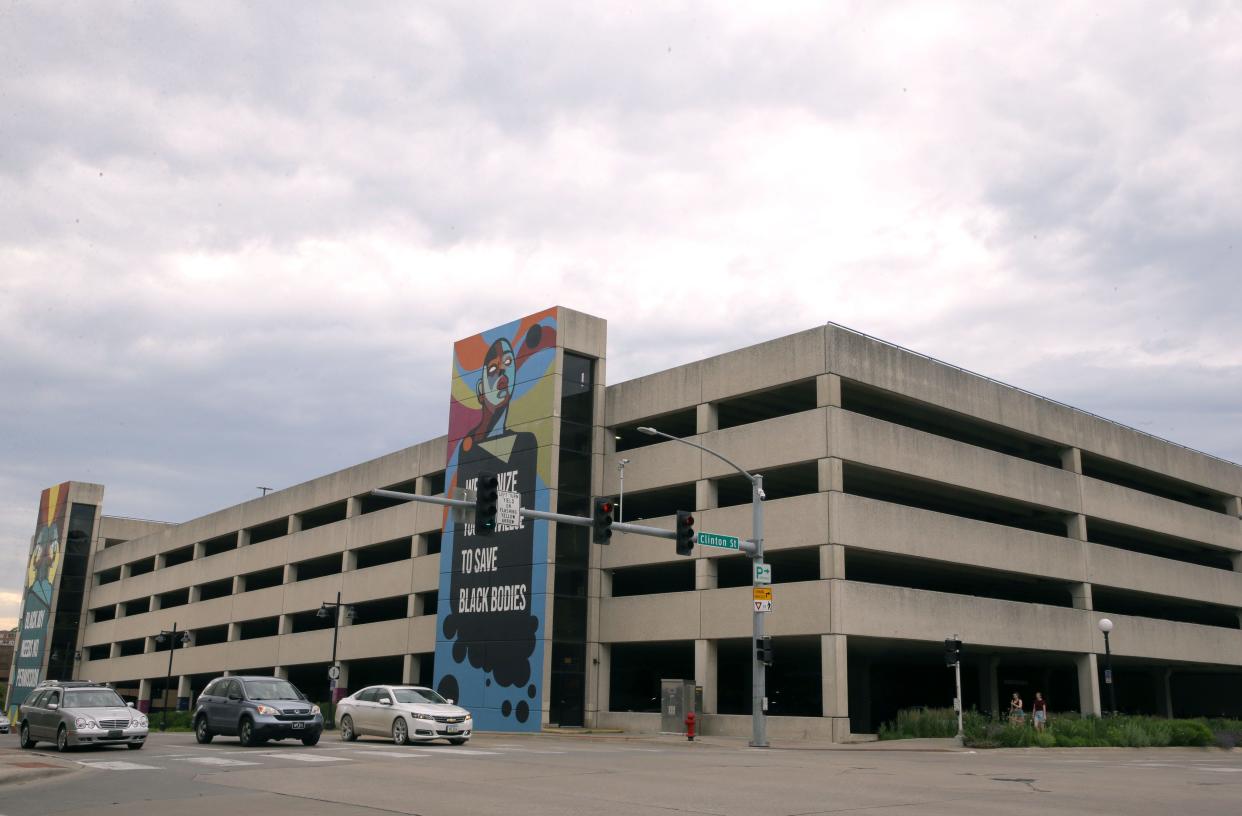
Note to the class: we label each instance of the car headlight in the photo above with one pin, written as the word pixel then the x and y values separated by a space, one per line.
pixel 266 711
pixel 84 722
pixel 314 710
pixel 139 721
pixel 418 716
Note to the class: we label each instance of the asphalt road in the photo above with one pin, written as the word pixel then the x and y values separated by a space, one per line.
pixel 551 775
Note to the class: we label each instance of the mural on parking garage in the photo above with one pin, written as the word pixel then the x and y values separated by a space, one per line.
pixel 41 571
pixel 491 620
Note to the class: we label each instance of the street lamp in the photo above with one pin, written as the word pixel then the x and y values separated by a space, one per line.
pixel 621 498
pixel 325 609
pixel 1106 626
pixel 174 638
pixel 758 690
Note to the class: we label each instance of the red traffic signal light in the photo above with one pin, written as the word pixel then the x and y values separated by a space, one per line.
pixel 601 521
pixel 685 532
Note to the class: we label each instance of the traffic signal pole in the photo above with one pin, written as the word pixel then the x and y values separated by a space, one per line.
pixel 759 673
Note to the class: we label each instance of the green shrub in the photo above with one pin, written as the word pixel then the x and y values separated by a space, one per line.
pixel 921 723
pixel 1189 732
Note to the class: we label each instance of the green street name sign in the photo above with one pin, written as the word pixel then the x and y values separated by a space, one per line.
pixel 722 541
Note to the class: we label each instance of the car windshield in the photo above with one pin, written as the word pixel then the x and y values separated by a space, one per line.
pixel 272 690
pixel 409 695
pixel 95 698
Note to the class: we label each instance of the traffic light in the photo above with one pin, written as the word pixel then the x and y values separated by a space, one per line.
pixel 952 651
pixel 763 650
pixel 485 500
pixel 685 532
pixel 601 521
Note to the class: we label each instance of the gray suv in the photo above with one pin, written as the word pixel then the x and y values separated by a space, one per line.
pixel 256 709
pixel 79 713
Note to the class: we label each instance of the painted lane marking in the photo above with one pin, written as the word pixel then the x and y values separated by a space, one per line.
pixel 373 752
pixel 119 765
pixel 450 752
pixel 203 760
pixel 307 758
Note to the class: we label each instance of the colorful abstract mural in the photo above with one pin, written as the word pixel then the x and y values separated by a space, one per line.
pixel 493 589
pixel 41 571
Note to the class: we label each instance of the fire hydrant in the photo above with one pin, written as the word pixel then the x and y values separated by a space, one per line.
pixel 690 726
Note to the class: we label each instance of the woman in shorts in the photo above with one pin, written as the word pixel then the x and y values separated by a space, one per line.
pixel 1016 714
pixel 1039 712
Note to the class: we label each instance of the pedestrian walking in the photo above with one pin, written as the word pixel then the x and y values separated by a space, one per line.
pixel 1039 712
pixel 1016 714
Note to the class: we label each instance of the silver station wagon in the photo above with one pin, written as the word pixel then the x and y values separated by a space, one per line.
pixel 79 713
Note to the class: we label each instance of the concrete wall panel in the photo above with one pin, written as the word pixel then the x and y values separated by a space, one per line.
pixel 1136 509
pixel 800 437
pixel 670 616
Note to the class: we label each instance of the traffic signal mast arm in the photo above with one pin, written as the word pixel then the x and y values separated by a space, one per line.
pixel 561 518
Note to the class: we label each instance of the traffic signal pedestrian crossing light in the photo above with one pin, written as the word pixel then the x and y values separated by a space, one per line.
pixel 486 497
pixel 952 651
pixel 601 521
pixel 763 650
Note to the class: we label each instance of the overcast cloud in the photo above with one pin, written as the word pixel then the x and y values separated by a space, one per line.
pixel 238 239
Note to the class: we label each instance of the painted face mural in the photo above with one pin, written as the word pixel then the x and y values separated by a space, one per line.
pixel 44 560
pixel 489 647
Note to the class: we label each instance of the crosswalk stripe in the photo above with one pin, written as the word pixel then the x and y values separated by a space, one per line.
pixel 118 765
pixel 299 757
pixel 207 760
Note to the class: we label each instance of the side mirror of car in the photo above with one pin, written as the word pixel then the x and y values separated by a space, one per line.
pixel 449 700
pixel 131 705
pixel 52 706
pixel 385 701
pixel 233 698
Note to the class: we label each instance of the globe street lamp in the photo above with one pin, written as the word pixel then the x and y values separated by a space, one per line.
pixel 1106 626
pixel 621 498
pixel 174 638
pixel 759 724
pixel 325 609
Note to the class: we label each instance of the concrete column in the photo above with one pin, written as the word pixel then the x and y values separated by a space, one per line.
pixel 1081 595
pixel 148 645
pixel 285 625
pixel 349 560
pixel 1071 460
pixel 114 651
pixel 199 550
pixel 422 485
pixel 127 571
pixel 831 475
pixel 1088 685
pixel 291 574
pixel 342 684
pixel 196 593
pixel 154 603
pixel 1076 526
pixel 239 584
pixel 706 573
pixel 1164 692
pixel 706 418
pixel 828 390
pixel 989 686
pixel 183 693
pixel 413 605
pixel 353 507
pixel 1237 561
pixel 410 669
pixel 234 632
pixel 705 672
pixel 1233 506
pixel 706 496
pixel 831 561
pixel 281 672
pixel 834 668
pixel 295 524
pixel 243 538
pixel 161 560
pixel 420 545
pixel 144 696
pixel 605 583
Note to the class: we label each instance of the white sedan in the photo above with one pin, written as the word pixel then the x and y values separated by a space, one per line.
pixel 404 713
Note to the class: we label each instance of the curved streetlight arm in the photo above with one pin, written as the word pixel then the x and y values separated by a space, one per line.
pixel 725 459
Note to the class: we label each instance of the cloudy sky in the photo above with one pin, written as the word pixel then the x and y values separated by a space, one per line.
pixel 238 239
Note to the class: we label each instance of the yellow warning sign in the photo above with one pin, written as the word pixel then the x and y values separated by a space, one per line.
pixel 763 593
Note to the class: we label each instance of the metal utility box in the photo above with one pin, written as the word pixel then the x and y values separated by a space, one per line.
pixel 677 699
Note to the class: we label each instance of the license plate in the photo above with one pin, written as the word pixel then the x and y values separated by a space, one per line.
pixel 298 725
pixel 451 729
pixel 115 734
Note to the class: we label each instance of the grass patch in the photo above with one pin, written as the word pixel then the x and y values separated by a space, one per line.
pixel 1068 730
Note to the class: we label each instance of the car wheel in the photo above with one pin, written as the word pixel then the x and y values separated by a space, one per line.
pixel 62 739
pixel 400 731
pixel 135 746
pixel 458 740
pixel 245 733
pixel 311 739
pixel 24 735
pixel 348 734
pixel 201 732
